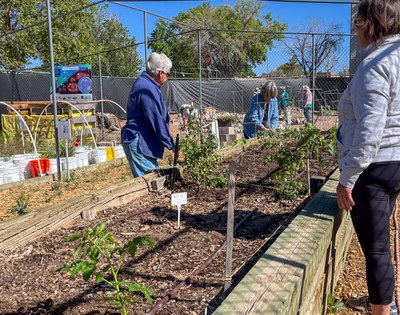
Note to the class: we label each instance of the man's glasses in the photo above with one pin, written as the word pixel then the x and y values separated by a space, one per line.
pixel 166 73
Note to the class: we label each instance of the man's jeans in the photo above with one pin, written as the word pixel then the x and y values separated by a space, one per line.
pixel 139 164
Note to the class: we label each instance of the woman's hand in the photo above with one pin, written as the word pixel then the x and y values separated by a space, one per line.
pixel 344 197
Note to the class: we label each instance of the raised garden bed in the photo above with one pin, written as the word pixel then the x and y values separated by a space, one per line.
pixel 31 285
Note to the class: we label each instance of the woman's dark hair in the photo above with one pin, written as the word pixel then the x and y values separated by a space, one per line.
pixel 378 18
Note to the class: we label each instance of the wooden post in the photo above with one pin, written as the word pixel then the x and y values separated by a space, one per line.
pixel 230 225
pixel 308 178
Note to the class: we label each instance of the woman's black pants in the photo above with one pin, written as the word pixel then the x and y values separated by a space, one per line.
pixel 375 194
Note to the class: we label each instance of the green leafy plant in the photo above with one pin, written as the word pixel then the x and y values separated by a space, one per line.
pixel 10 147
pixel 101 256
pixel 290 149
pixel 56 187
pixel 227 118
pixel 22 205
pixel 334 304
pixel 243 142
pixel 199 160
pixel 48 149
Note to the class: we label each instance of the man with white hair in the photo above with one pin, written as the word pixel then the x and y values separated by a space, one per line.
pixel 146 132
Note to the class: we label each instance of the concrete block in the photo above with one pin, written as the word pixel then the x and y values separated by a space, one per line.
pixel 158 183
pixel 229 138
pixel 89 214
pixel 226 130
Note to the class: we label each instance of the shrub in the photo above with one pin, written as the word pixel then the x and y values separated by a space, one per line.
pixel 290 149
pixel 200 161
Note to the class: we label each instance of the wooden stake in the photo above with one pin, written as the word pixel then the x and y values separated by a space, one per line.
pixel 308 177
pixel 230 224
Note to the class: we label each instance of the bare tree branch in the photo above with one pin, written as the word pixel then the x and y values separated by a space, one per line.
pixel 326 46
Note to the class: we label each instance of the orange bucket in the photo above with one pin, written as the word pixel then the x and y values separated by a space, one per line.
pixel 41 166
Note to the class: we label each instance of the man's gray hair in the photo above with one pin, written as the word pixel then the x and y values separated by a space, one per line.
pixel 158 62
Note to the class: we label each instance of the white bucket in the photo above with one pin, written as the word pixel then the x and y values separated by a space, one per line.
pixel 10 173
pixel 22 161
pixel 82 159
pixel 97 156
pixel 119 151
pixel 53 166
pixel 82 150
pixel 71 163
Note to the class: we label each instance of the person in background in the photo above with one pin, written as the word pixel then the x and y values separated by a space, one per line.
pixel 272 112
pixel 187 113
pixel 253 120
pixel 283 98
pixel 146 132
pixel 369 145
pixel 284 103
pixel 308 105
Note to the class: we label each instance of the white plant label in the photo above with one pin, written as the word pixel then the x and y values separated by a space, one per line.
pixel 179 199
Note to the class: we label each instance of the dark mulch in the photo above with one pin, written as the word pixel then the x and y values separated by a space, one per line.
pixel 29 283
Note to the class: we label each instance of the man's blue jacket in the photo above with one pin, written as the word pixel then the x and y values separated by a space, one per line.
pixel 147 118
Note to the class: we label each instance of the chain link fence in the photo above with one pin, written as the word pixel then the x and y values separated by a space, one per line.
pixel 217 68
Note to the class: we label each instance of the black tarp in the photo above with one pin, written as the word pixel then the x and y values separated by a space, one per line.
pixel 224 95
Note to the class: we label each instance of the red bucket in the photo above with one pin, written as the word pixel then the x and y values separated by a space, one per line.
pixel 44 165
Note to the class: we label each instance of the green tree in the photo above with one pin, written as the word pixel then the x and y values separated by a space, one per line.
pixel 233 53
pixel 16 48
pixel 289 69
pixel 81 33
pixel 110 35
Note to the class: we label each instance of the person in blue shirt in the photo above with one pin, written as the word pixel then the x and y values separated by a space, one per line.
pixel 146 132
pixel 272 110
pixel 253 120
pixel 284 98
pixel 284 102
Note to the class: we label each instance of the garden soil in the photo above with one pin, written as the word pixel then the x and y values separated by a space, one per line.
pixel 31 284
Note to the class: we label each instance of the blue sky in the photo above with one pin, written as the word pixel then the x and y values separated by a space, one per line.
pixel 294 14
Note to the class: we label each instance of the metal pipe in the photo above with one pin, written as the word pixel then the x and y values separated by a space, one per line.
pixel 146 44
pixel 53 82
pixel 101 96
pixel 200 86
pixel 154 14
pixel 313 78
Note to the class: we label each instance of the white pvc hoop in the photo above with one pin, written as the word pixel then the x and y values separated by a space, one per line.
pixel 30 135
pixel 114 103
pixel 68 103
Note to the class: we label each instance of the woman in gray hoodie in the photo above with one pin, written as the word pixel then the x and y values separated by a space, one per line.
pixel 369 144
